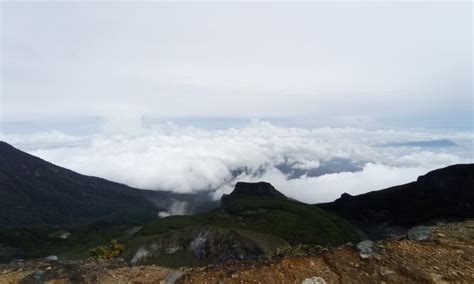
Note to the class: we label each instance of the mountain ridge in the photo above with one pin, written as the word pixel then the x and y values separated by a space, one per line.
pixel 446 193
pixel 35 192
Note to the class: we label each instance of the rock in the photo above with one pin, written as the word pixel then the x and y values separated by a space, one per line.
pixel 314 280
pixel 172 249
pixel 419 233
pixel 51 258
pixel 139 255
pixel 387 272
pixel 172 277
pixel 38 273
pixel 365 249
pixel 436 278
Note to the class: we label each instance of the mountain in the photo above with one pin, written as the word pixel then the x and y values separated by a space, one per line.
pixel 34 192
pixel 255 221
pixel 247 189
pixel 442 194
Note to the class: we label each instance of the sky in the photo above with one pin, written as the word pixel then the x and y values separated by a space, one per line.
pixel 196 96
pixel 332 63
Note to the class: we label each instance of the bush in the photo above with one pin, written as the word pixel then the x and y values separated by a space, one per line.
pixel 299 250
pixel 112 250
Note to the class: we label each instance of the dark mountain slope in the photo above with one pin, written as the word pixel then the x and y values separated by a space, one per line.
pixel 36 192
pixel 446 193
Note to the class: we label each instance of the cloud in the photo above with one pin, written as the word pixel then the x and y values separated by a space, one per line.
pixel 329 187
pixel 177 208
pixel 312 165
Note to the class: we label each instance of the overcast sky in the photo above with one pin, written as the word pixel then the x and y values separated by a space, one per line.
pixel 192 97
pixel 357 64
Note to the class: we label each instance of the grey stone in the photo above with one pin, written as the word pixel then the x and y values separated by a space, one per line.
pixel 419 233
pixel 365 249
pixel 387 272
pixel 38 274
pixel 52 258
pixel 314 280
pixel 173 276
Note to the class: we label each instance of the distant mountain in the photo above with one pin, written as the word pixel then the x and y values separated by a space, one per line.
pixel 293 171
pixel 35 192
pixel 442 194
pixel 424 143
pixel 247 189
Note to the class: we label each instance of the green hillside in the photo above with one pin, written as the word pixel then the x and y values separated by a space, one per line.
pixel 252 227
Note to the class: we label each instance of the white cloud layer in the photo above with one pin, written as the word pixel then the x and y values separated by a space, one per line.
pixel 189 159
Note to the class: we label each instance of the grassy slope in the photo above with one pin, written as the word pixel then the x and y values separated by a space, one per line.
pixel 36 242
pixel 292 221
pixel 268 222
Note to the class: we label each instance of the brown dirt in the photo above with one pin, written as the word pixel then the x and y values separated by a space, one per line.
pixel 447 257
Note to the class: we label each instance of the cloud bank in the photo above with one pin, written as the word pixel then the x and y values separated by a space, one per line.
pixel 311 165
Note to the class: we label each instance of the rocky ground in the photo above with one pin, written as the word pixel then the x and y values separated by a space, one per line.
pixel 446 256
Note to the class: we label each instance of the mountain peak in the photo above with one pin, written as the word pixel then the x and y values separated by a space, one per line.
pixel 248 189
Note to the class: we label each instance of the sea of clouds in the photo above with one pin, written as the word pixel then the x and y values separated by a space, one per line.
pixel 188 159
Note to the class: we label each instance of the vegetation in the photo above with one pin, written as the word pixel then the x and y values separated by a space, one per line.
pixel 277 226
pixel 295 222
pixel 37 242
pixel 109 251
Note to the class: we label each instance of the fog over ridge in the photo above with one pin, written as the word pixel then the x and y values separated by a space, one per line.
pixel 311 165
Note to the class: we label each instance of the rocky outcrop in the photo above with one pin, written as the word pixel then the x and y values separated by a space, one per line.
pixel 196 245
pixel 249 190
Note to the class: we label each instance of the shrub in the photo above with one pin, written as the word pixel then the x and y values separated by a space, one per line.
pixel 109 251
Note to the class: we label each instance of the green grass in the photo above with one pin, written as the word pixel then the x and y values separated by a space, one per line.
pixel 292 221
pixel 37 243
pixel 269 222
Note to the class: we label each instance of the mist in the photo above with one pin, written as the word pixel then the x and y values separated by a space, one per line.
pixel 309 164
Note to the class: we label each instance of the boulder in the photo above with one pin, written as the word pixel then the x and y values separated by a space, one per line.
pixel 365 249
pixel 419 233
